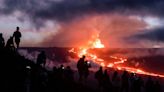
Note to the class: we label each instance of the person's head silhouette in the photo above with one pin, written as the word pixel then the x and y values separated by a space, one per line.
pixel 1 35
pixel 43 52
pixel 17 28
pixel 11 37
pixel 100 68
pixel 83 56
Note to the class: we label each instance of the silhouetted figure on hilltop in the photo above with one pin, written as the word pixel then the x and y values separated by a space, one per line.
pixel 106 82
pixel 69 74
pixel 2 41
pixel 39 79
pixel 125 82
pixel 116 82
pixel 132 77
pixel 69 78
pixel 61 70
pixel 149 85
pixel 10 44
pixel 87 65
pixel 53 80
pixel 61 81
pixel 99 77
pixel 55 72
pixel 80 67
pixel 157 87
pixel 137 84
pixel 41 59
pixel 17 35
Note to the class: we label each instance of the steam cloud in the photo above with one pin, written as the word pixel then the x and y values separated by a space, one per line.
pixel 70 13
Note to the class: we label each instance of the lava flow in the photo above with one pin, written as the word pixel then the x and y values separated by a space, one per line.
pixel 116 65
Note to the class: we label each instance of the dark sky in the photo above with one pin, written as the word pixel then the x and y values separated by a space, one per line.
pixel 65 23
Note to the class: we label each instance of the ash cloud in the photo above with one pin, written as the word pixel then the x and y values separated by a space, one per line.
pixel 111 29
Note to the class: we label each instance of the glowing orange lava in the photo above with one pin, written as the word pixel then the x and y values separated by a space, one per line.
pixel 84 50
pixel 116 65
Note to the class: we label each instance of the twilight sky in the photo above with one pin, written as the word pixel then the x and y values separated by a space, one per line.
pixel 73 23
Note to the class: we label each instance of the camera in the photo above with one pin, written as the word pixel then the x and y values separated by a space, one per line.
pixel 88 62
pixel 28 67
pixel 63 68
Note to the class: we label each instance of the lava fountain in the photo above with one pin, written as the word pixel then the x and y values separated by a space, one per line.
pixel 116 65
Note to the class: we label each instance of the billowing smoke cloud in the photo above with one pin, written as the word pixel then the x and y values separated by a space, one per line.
pixel 111 28
pixel 31 56
pixel 75 28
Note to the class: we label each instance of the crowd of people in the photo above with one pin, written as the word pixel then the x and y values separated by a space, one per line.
pixel 10 42
pixel 27 76
pixel 127 82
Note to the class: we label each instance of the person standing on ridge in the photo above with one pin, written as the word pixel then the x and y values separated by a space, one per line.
pixel 41 59
pixel 17 35
pixel 80 67
pixel 10 44
pixel 2 41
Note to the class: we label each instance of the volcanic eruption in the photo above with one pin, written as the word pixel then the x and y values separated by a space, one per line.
pixel 117 64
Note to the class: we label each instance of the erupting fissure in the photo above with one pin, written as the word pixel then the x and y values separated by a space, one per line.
pixel 116 65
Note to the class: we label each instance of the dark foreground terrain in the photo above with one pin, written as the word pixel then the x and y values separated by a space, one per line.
pixel 19 74
pixel 22 75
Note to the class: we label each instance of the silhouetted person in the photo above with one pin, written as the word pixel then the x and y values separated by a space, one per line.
pixel 116 82
pixel 2 41
pixel 42 80
pixel 157 87
pixel 61 78
pixel 132 77
pixel 17 35
pixel 10 44
pixel 53 81
pixel 55 73
pixel 69 78
pixel 87 65
pixel 80 67
pixel 149 85
pixel 138 83
pixel 69 74
pixel 61 70
pixel 106 82
pixel 125 82
pixel 99 77
pixel 55 77
pixel 41 59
